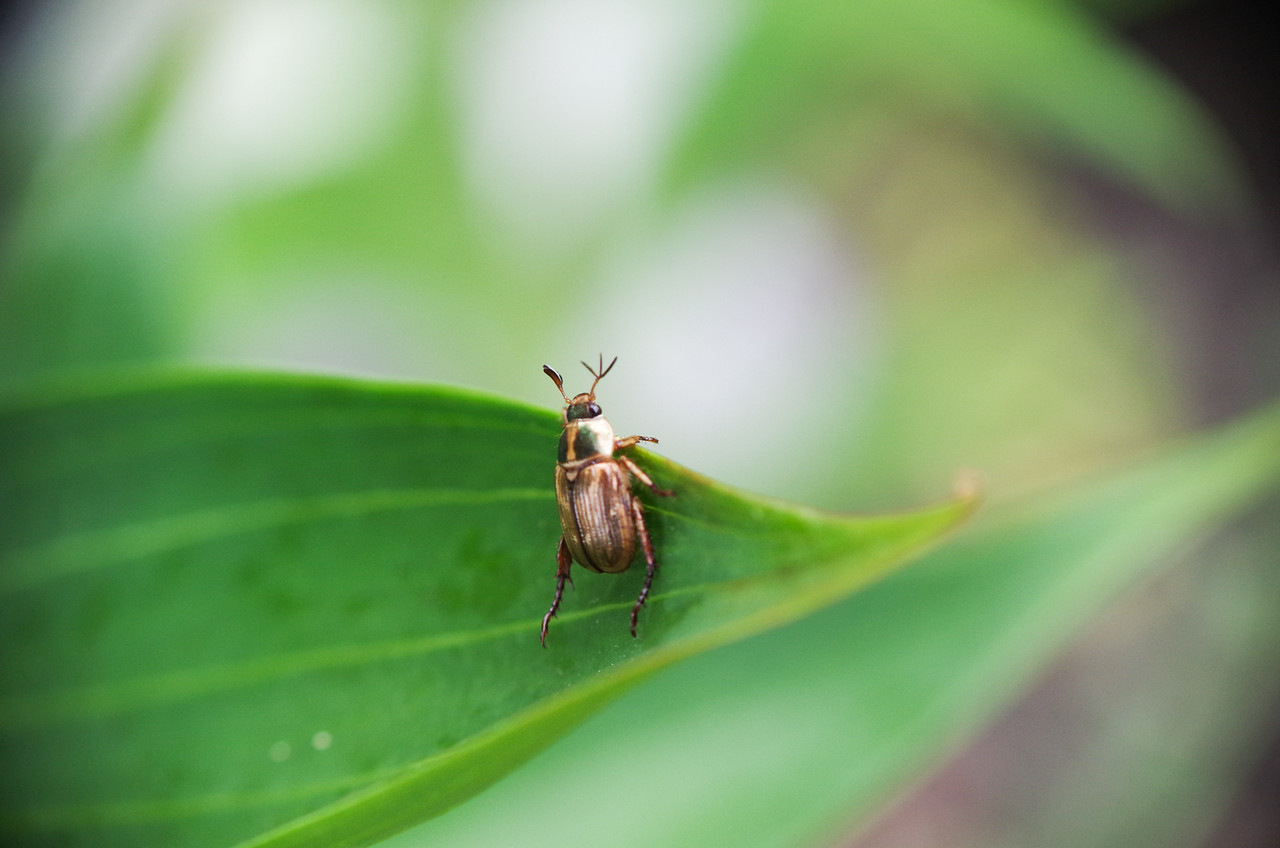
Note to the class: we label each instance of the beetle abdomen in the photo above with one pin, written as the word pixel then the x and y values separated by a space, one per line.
pixel 595 514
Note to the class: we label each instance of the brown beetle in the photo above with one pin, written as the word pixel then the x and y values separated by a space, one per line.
pixel 600 517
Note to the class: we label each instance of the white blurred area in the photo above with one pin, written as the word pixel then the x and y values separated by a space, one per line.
pixel 82 60
pixel 281 92
pixel 735 312
pixel 266 94
pixel 748 337
pixel 568 106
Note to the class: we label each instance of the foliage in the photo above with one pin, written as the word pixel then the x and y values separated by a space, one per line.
pixel 852 246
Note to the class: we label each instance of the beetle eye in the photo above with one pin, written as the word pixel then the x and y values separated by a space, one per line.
pixel 593 410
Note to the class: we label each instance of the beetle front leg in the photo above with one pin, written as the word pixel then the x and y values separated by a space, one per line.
pixel 644 478
pixel 637 512
pixel 630 441
pixel 564 561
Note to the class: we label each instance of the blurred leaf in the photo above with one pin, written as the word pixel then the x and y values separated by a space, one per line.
pixel 790 738
pixel 226 601
pixel 1186 673
pixel 1046 71
pixel 84 273
pixel 89 296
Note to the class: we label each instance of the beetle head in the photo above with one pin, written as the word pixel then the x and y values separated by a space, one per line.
pixel 583 405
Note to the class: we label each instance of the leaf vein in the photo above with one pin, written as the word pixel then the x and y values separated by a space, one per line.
pixel 83 552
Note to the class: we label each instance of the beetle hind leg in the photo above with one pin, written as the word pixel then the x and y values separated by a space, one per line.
pixel 651 565
pixel 564 560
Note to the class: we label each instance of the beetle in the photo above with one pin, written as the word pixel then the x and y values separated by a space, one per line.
pixel 601 519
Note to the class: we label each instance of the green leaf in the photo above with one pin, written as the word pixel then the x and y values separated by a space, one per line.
pixel 797 736
pixel 230 601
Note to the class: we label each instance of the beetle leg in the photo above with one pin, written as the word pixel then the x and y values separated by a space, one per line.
pixel 564 560
pixel 644 478
pixel 629 441
pixel 637 512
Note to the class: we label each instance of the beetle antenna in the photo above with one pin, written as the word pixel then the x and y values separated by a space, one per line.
pixel 555 378
pixel 599 375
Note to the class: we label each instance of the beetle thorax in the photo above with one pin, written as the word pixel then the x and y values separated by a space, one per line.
pixel 586 440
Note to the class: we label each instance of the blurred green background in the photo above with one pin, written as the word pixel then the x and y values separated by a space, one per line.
pixel 936 236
